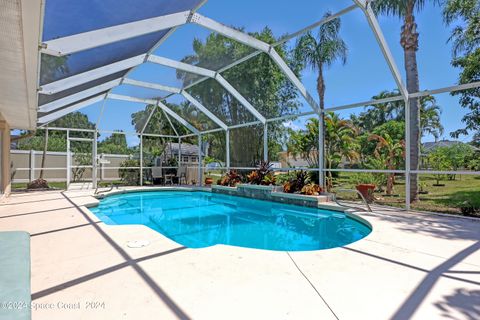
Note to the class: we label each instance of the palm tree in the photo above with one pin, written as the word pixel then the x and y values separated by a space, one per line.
pixel 430 121
pixel 380 113
pixel 405 9
pixel 392 152
pixel 322 51
pixel 340 143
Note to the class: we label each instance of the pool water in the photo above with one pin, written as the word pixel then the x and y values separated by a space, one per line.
pixel 201 219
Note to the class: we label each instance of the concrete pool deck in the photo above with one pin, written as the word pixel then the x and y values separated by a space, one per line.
pixel 412 266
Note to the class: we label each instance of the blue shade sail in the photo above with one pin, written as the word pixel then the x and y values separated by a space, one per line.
pixel 45 98
pixel 66 17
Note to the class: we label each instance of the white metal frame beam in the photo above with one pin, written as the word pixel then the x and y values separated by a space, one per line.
pixel 57 104
pixel 91 75
pixel 172 113
pixel 365 6
pixel 185 94
pixel 60 113
pixel 211 74
pixel 150 85
pixel 207 112
pixel 178 65
pixel 259 45
pixel 100 37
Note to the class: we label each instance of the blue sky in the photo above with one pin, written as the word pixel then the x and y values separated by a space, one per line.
pixel 365 74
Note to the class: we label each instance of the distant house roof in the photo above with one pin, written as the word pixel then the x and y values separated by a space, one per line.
pixel 187 149
pixel 430 146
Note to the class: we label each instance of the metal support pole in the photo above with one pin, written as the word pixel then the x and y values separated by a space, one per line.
pixel 141 159
pixel 200 160
pixel 69 159
pixel 32 165
pixel 265 142
pixel 179 152
pixel 407 155
pixel 321 149
pixel 227 148
pixel 94 160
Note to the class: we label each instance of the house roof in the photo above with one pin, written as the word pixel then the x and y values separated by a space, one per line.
pixel 187 149
pixel 429 146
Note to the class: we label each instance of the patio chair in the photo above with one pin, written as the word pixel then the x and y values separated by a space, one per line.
pixel 157 174
pixel 169 178
pixel 182 175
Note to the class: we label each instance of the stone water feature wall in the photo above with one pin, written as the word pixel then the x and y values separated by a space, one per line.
pixel 272 193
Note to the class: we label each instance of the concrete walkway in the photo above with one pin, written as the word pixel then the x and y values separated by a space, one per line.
pixel 412 266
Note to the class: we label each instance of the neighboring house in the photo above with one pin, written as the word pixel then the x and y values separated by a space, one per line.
pixel 189 153
pixel 287 160
pixel 428 147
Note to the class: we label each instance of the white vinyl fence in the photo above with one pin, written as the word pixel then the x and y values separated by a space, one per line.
pixel 26 166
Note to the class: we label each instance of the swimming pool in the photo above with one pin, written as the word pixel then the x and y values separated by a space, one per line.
pixel 200 219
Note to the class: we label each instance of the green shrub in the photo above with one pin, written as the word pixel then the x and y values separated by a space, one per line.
pixel 127 175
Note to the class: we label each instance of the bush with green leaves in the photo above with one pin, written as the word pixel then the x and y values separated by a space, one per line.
pixel 80 160
pixel 127 174
pixel 439 161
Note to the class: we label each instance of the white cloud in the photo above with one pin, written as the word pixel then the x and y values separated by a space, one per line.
pixel 292 125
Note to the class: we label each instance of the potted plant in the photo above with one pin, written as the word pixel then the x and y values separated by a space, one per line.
pixel 208 181
pixel 365 184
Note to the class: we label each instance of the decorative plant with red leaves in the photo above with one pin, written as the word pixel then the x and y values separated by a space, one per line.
pixel 263 175
pixel 230 179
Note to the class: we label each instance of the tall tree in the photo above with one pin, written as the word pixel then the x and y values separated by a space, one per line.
pixel 406 9
pixel 259 80
pixel 466 56
pixel 378 114
pixel 320 51
pixel 430 121
pixel 115 144
pixel 340 143
pixel 392 152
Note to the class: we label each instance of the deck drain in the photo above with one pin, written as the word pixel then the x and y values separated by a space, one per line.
pixel 138 243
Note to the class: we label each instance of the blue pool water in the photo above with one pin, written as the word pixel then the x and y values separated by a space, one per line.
pixel 202 219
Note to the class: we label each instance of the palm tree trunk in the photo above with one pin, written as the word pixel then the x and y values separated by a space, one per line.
pixel 330 177
pixel 409 42
pixel 321 87
pixel 44 156
pixel 321 96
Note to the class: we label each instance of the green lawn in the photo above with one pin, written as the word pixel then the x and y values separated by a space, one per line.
pixel 464 190
pixel 56 185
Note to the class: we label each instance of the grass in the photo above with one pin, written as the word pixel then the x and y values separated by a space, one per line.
pixel 56 185
pixel 463 191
